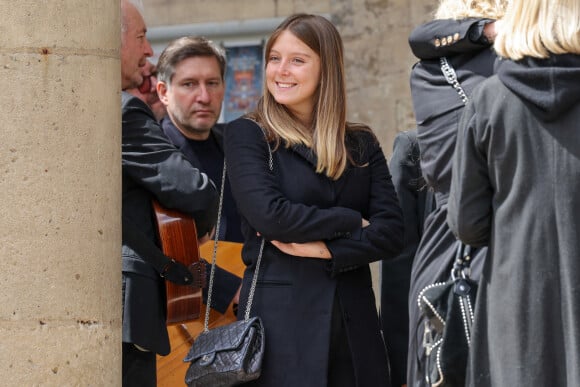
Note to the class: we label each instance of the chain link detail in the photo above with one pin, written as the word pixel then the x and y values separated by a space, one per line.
pixel 451 78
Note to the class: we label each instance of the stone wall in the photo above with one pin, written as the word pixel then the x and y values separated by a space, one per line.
pixel 60 203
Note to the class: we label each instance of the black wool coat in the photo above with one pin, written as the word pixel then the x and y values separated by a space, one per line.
pixel 416 202
pixel 438 107
pixel 516 178
pixel 295 296
pixel 225 284
pixel 153 168
pixel 230 222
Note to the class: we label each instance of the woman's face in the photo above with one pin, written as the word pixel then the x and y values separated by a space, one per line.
pixel 293 75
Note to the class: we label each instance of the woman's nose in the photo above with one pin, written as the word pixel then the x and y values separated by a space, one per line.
pixel 283 68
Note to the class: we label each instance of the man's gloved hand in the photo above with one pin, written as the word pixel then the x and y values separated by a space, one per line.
pixel 177 273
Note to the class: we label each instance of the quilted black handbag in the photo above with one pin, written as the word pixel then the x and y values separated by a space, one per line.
pixel 448 311
pixel 227 355
pixel 230 354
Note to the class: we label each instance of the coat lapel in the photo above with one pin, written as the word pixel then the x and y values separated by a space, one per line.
pixel 306 153
pixel 180 141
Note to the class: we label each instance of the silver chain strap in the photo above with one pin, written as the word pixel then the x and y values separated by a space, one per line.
pixel 451 78
pixel 254 282
pixel 214 253
pixel 215 247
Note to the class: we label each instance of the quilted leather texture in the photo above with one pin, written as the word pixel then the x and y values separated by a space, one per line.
pixel 227 355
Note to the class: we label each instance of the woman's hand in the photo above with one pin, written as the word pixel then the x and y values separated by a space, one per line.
pixel 316 249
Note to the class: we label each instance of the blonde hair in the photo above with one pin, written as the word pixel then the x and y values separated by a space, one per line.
pixel 538 28
pixel 461 9
pixel 327 134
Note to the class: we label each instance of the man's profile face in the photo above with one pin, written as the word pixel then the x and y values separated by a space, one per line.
pixel 194 97
pixel 135 48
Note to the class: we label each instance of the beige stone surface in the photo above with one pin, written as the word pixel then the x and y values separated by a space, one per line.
pixel 60 319
pixel 64 24
pixel 60 157
pixel 60 353
pixel 171 12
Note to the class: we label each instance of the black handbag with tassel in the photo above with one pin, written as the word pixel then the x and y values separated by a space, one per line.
pixel 448 311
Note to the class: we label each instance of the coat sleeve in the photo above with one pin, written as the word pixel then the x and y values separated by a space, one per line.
pixel 152 162
pixel 260 200
pixel 383 238
pixel 446 37
pixel 469 212
pixel 410 187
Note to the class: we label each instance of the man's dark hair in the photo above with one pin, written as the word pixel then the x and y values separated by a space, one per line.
pixel 184 48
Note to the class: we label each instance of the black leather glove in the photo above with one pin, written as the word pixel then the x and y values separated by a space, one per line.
pixel 167 268
pixel 177 273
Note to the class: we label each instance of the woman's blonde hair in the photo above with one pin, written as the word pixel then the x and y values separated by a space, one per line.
pixel 461 9
pixel 538 28
pixel 326 135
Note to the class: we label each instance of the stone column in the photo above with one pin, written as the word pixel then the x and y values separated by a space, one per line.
pixel 60 199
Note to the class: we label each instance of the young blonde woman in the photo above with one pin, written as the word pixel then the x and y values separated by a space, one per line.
pixel 462 32
pixel 326 210
pixel 515 185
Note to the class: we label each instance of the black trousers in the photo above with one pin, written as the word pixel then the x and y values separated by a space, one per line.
pixel 139 367
pixel 340 367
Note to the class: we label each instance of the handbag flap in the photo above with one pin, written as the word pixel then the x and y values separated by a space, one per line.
pixel 433 303
pixel 224 338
